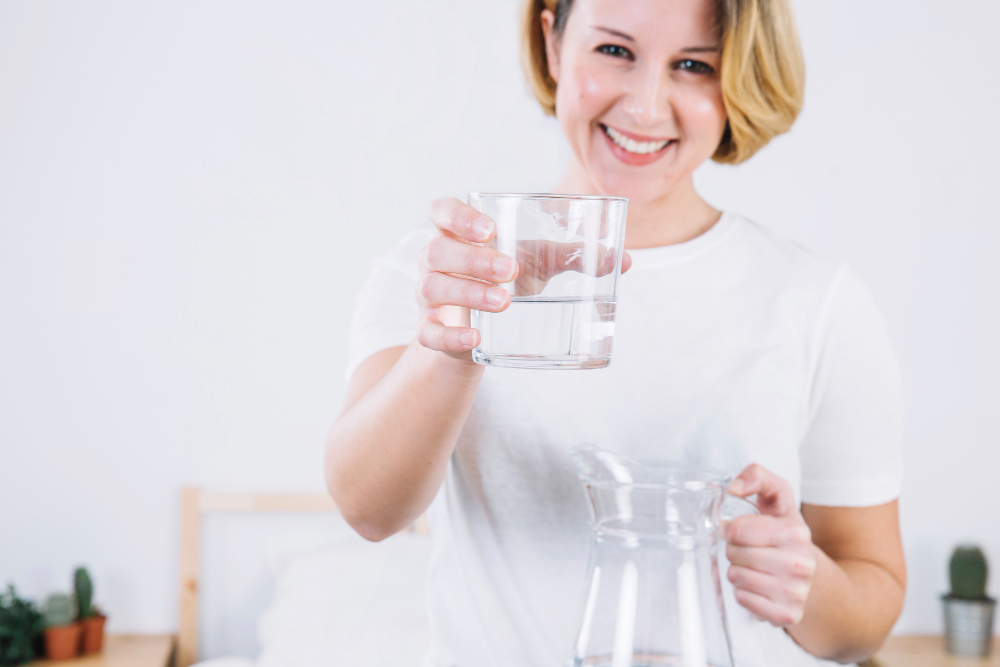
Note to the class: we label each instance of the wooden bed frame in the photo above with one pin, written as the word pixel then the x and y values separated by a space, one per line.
pixel 194 504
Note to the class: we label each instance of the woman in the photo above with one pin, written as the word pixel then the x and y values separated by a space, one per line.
pixel 735 348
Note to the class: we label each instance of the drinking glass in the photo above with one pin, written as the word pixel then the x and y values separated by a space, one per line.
pixel 569 254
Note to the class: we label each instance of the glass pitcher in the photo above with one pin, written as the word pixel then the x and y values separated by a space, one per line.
pixel 652 594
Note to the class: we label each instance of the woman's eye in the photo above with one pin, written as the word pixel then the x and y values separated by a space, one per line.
pixel 695 67
pixel 614 50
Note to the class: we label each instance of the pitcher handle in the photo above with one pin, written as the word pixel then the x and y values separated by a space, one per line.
pixel 734 506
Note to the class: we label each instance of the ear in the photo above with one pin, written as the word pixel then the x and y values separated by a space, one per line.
pixel 551 50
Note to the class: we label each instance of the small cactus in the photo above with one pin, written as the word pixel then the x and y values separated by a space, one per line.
pixel 58 610
pixel 84 589
pixel 968 572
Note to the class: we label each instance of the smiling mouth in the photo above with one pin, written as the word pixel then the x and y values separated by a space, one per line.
pixel 631 145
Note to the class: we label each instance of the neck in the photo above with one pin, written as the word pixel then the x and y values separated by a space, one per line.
pixel 675 216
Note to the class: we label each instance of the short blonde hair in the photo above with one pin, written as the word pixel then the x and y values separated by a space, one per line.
pixel 762 73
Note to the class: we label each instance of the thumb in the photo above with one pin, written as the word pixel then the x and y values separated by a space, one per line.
pixel 774 494
pixel 608 258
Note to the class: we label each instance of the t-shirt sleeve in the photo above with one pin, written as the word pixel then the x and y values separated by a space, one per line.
pixel 852 453
pixel 386 313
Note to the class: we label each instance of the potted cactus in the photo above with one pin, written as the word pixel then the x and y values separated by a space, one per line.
pixel 62 635
pixel 88 614
pixel 968 612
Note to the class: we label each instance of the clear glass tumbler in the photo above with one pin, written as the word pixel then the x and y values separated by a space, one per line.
pixel 569 253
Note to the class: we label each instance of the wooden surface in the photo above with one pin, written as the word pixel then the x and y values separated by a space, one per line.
pixel 927 651
pixel 124 651
pixel 265 502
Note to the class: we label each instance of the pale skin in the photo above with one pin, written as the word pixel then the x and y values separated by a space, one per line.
pixel 832 577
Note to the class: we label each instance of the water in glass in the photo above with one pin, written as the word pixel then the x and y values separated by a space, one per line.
pixel 547 332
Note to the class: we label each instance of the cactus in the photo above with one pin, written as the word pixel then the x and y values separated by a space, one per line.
pixel 84 589
pixel 58 610
pixel 968 572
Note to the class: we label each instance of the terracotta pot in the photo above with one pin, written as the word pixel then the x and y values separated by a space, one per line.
pixel 62 642
pixel 93 634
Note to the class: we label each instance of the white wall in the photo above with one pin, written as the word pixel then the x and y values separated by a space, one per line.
pixel 191 193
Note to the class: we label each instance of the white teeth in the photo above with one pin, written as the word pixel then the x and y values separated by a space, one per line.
pixel 633 146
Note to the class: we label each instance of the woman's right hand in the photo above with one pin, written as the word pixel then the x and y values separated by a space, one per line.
pixel 456 274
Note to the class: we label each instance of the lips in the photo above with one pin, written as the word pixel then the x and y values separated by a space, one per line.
pixel 633 149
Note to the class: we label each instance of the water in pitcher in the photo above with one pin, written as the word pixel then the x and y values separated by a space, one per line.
pixel 543 332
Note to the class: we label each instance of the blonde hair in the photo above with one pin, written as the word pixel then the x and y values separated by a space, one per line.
pixel 762 73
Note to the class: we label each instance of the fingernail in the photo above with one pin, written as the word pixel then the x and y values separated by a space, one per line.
pixel 483 227
pixel 503 267
pixel 468 338
pixel 736 487
pixel 496 296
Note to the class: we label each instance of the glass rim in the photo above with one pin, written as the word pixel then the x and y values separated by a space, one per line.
pixel 661 487
pixel 542 195
pixel 707 478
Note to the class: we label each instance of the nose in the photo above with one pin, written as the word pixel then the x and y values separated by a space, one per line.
pixel 647 98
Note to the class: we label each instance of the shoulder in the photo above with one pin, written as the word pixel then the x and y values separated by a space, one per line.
pixel 817 290
pixel 781 252
pixel 840 311
pixel 785 264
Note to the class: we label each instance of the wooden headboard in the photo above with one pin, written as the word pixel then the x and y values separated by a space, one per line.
pixel 195 503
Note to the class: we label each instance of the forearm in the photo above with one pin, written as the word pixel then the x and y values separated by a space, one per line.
pixel 851 608
pixel 388 452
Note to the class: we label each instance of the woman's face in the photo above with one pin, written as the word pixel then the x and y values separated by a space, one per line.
pixel 638 94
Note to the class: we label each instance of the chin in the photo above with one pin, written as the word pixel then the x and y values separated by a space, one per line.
pixel 639 188
pixel 641 184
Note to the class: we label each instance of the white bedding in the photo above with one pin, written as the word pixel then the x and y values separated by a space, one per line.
pixel 350 602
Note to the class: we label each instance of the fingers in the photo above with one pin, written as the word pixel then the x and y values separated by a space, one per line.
pixel 456 251
pixel 754 530
pixel 776 562
pixel 767 609
pixel 772 583
pixel 607 263
pixel 441 289
pixel 774 494
pixel 437 336
pixel 771 555
pixel 457 218
pixel 775 589
pixel 448 255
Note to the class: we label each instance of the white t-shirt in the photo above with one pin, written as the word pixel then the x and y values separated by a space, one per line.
pixel 736 347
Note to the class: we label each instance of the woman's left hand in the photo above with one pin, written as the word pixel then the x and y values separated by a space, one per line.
pixel 772 556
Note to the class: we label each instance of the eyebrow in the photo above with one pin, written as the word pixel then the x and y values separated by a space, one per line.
pixel 616 33
pixel 688 49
